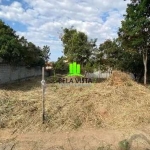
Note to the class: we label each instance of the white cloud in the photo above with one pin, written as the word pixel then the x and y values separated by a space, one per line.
pixel 44 19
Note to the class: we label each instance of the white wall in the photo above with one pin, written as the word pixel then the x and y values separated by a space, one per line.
pixel 98 74
pixel 10 73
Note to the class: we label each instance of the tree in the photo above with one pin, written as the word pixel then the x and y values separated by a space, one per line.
pixel 135 31
pixel 33 56
pixel 111 54
pixel 46 53
pixel 77 47
pixel 108 55
pixel 18 51
pixel 9 46
pixel 61 66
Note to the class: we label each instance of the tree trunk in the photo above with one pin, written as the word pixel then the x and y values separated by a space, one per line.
pixel 145 66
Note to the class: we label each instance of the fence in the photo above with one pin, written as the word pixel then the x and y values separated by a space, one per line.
pixel 11 73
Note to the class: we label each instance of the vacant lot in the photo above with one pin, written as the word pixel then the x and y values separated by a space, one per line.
pixel 109 111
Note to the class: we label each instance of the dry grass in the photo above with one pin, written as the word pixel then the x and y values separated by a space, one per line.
pixel 118 102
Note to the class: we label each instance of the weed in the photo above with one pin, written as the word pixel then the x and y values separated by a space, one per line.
pixel 77 122
pixel 108 147
pixel 124 145
pixel 99 123
pixel 101 148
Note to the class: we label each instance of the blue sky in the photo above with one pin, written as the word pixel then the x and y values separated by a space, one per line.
pixel 40 21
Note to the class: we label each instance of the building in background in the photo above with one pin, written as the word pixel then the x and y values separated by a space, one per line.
pixel 49 68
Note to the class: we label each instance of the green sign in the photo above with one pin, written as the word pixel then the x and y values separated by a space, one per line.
pixel 74 69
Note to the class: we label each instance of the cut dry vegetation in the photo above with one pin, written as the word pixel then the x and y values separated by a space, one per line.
pixel 117 102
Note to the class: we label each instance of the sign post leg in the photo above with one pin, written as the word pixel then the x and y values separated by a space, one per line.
pixel 43 98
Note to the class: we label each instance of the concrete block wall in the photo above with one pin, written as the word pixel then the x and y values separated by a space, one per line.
pixel 11 73
pixel 99 74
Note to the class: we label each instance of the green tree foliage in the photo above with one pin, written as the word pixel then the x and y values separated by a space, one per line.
pixel 46 53
pixel 77 47
pixel 9 46
pixel 34 56
pixel 111 54
pixel 135 31
pixel 18 51
pixel 108 55
pixel 60 66
pixel 130 61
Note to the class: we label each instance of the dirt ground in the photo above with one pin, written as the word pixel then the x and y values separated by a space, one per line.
pixel 82 139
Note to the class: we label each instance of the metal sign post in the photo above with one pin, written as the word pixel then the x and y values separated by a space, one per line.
pixel 43 93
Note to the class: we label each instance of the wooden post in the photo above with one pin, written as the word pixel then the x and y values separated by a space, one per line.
pixel 43 98
pixel 42 73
